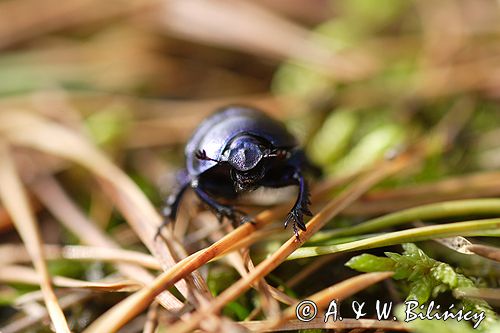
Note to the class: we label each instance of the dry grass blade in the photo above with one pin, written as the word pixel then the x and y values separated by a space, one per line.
pixel 35 18
pixel 472 182
pixel 10 254
pixel 176 126
pixel 5 222
pixel 21 324
pixel 57 140
pixel 200 258
pixel 15 201
pixel 237 260
pixel 260 31
pixel 397 105
pixel 314 266
pixel 21 274
pixel 263 218
pixel 180 112
pixel 486 251
pixel 318 221
pixel 65 210
pixel 318 323
pixel 133 305
pixel 270 306
pixel 491 295
pixel 336 292
pixel 196 260
pixel 484 184
pixel 151 319
pixel 111 255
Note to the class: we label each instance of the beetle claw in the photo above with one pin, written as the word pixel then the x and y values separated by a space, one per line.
pixel 296 215
pixel 233 214
pixel 244 218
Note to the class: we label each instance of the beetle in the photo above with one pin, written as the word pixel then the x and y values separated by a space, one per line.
pixel 235 151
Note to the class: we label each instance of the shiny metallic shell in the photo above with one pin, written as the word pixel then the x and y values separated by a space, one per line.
pixel 216 132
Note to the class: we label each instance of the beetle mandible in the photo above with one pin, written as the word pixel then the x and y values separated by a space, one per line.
pixel 237 150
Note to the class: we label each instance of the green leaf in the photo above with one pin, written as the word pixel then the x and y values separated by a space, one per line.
pixel 425 277
pixel 420 290
pixel 331 141
pixel 445 274
pixel 370 148
pixel 236 309
pixel 370 263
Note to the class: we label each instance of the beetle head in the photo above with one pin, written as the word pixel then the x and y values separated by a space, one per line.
pixel 244 155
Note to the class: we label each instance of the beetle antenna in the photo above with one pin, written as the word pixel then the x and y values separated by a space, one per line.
pixel 202 155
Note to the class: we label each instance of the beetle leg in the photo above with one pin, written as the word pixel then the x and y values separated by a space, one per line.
pixel 171 207
pixel 221 210
pixel 301 206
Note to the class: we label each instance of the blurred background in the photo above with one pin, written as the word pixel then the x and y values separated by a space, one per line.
pixel 407 62
pixel 356 81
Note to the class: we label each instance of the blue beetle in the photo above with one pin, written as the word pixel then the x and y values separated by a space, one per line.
pixel 237 150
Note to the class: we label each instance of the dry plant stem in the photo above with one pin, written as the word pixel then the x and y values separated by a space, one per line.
pixel 318 192
pixel 237 260
pixel 261 32
pixel 66 301
pixel 486 251
pixel 177 126
pixel 155 244
pixel 275 293
pixel 270 306
pixel 51 194
pixel 14 253
pixel 426 212
pixel 78 252
pixel 197 295
pixel 201 257
pixel 491 295
pixel 319 220
pixel 120 314
pixel 151 319
pixel 5 222
pixel 468 228
pixel 35 18
pixel 311 268
pixel 339 326
pixel 15 201
pixel 483 184
pixel 150 112
pixel 55 139
pixel 336 292
pixel 318 323
pixel 450 186
pixel 25 275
